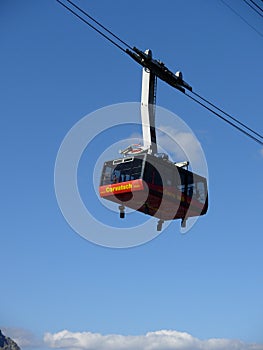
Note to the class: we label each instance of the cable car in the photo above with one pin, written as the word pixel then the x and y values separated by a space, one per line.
pixel 148 181
pixel 154 186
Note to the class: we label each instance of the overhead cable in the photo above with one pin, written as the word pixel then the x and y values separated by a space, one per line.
pixel 253 2
pixel 226 120
pixel 162 72
pixel 253 8
pixel 92 26
pixel 99 24
pixel 228 115
pixel 241 17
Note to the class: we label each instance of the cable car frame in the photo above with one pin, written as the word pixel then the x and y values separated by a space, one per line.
pixel 147 181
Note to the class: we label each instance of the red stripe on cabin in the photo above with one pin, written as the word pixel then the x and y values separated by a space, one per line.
pixel 121 187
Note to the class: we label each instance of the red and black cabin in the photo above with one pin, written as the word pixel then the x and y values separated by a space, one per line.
pixel 154 186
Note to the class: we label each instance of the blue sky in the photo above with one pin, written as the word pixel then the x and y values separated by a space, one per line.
pixel 206 284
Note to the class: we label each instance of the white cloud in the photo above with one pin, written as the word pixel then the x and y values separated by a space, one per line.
pixel 159 340
pixel 180 144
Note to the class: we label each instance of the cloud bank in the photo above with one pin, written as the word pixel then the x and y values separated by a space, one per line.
pixel 159 340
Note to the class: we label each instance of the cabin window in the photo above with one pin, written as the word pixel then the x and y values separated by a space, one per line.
pixel 152 175
pixel 168 176
pixel 106 175
pixel 148 173
pixel 157 178
pixel 122 172
pixel 200 192
pixel 192 185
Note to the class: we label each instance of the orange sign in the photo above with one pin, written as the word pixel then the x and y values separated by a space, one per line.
pixel 121 187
